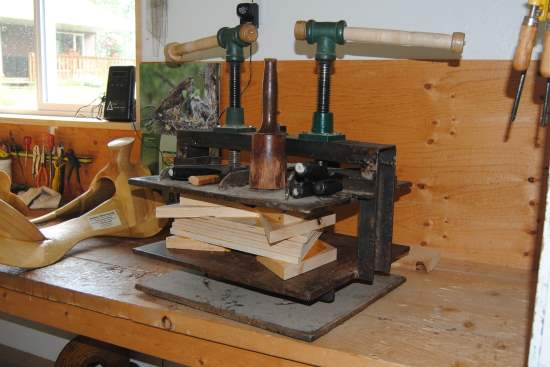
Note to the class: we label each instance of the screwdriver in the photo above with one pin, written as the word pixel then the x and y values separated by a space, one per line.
pixel 51 146
pixel 522 56
pixel 545 72
pixel 27 140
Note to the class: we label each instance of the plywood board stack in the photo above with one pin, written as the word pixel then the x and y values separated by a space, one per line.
pixel 287 245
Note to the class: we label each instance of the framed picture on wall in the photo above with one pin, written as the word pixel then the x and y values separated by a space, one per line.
pixel 173 98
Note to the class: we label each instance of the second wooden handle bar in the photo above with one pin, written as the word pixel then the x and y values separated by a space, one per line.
pixel 454 42
pixel 174 51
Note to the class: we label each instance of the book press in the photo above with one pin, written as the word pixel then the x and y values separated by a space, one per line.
pixel 255 238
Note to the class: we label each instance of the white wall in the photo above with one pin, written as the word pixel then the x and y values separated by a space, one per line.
pixel 491 27
pixel 32 338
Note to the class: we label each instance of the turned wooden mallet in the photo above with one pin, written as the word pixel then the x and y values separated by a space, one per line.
pixel 268 155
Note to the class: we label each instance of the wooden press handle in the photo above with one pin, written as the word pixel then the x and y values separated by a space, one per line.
pixel 270 95
pixel 203 180
pixel 522 56
pixel 174 51
pixel 454 42
pixel 545 57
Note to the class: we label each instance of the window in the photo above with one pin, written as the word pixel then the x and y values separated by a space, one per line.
pixel 55 54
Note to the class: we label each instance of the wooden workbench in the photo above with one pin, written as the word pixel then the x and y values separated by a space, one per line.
pixel 459 315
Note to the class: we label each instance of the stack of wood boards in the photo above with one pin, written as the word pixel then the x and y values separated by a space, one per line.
pixel 287 245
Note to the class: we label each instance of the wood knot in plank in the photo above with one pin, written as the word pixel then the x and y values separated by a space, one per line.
pixel 166 323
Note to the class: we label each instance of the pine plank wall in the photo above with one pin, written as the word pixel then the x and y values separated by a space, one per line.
pixel 475 196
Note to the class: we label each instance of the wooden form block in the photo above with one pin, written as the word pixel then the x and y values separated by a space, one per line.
pixel 184 243
pixel 420 258
pixel 275 233
pixel 278 216
pixel 203 180
pixel 320 254
pixel 244 237
pixel 184 211
pixel 193 202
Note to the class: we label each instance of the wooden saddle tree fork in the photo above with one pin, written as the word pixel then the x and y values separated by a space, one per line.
pixel 128 212
pixel 8 196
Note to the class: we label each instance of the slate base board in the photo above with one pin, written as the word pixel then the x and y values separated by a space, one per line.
pixel 296 320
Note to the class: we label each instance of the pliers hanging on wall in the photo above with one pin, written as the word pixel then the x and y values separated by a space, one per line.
pixel 74 165
pixel 59 169
pixel 39 171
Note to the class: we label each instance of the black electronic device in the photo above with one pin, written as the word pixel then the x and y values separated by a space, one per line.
pixel 120 97
pixel 249 13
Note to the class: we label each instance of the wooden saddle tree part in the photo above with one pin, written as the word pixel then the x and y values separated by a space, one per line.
pixel 128 212
pixel 268 154
pixel 9 197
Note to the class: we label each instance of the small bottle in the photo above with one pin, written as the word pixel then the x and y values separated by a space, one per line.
pixel 311 171
pixel 327 187
pixel 301 189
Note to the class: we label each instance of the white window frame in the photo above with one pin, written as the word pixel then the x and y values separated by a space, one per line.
pixel 74 35
pixel 41 48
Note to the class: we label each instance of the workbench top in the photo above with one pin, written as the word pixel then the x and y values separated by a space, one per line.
pixel 461 314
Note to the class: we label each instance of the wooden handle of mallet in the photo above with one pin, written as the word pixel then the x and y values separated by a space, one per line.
pixel 174 52
pixel 526 43
pixel 203 180
pixel 454 42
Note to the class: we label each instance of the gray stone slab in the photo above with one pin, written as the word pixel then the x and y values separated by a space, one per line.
pixel 296 320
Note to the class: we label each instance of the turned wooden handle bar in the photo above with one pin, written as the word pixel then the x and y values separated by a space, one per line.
pixel 175 51
pixel 454 42
pixel 270 95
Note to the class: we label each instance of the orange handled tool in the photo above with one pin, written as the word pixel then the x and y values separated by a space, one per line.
pixel 545 72
pixel 524 49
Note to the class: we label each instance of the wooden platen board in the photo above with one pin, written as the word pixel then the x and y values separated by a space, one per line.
pixel 475 197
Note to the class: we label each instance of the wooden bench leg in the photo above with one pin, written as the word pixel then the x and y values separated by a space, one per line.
pixel 86 352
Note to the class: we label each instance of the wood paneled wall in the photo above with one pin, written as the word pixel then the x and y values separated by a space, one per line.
pixel 84 141
pixel 475 196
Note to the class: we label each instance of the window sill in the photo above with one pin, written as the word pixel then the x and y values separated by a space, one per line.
pixel 58 121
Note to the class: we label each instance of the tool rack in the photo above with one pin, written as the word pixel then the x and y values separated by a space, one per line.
pixel 372 184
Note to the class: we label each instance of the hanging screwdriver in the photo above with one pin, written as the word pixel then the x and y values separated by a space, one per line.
pixel 51 151
pixel 545 71
pixel 27 141
pixel 524 49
